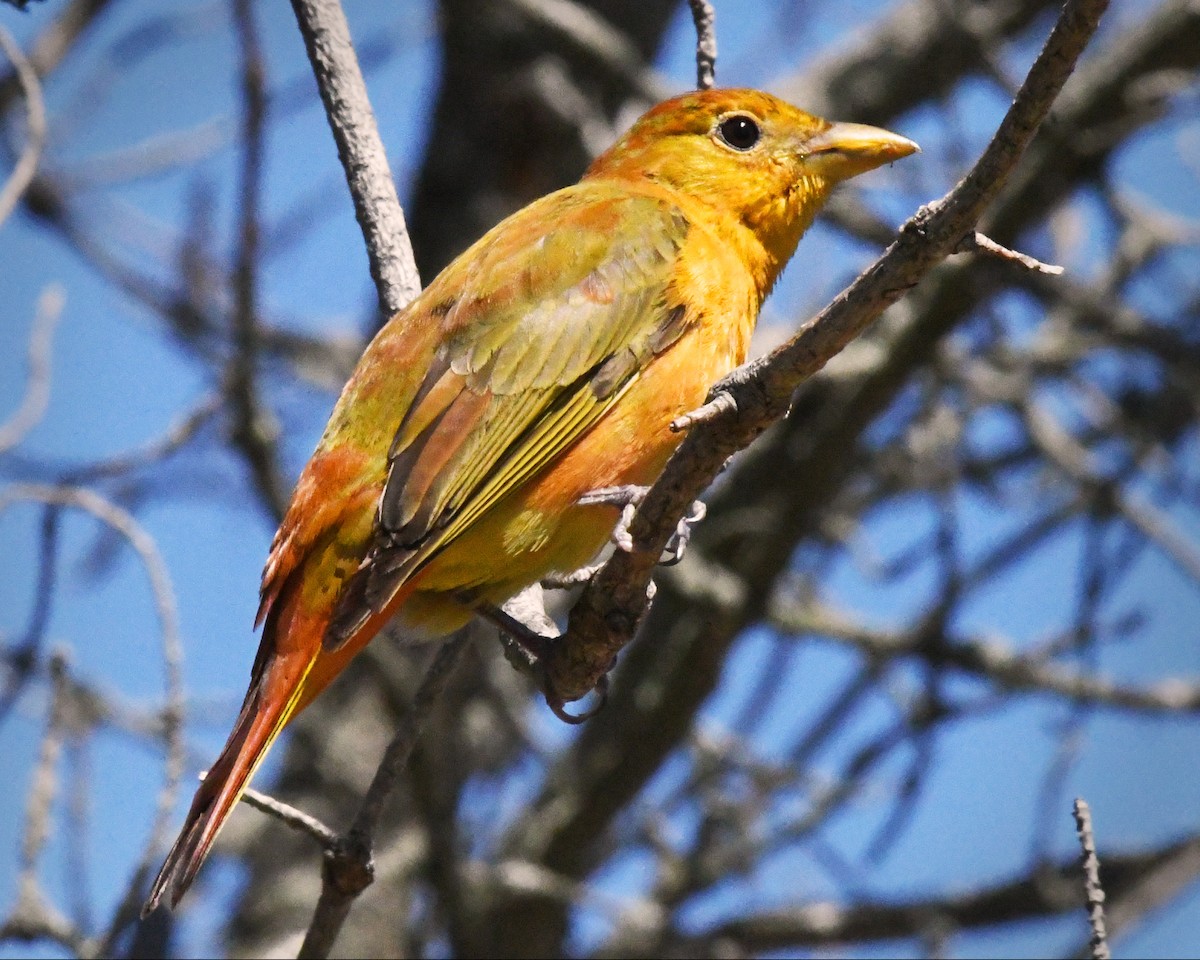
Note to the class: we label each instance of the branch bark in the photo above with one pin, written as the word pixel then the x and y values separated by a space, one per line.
pixel 1093 888
pixel 1043 892
pixel 349 867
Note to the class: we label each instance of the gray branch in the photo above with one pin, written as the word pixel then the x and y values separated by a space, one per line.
pixel 612 606
pixel 376 205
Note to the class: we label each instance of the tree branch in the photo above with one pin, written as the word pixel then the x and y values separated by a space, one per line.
pixel 1046 891
pixel 614 602
pixel 990 660
pixel 172 656
pixel 254 431
pixel 349 867
pixel 37 385
pixel 376 205
pixel 704 18
pixel 1091 876
pixel 35 138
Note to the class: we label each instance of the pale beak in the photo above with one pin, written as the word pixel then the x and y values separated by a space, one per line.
pixel 853 148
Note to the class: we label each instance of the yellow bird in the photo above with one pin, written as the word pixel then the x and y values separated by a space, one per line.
pixel 545 362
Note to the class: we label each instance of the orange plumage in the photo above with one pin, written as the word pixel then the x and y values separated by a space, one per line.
pixel 546 361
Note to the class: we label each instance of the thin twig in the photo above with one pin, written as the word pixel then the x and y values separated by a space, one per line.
pixel 719 406
pixel 254 433
pixel 76 821
pixel 37 385
pixel 1042 892
pixel 32 917
pixel 977 242
pixel 178 435
pixel 1091 880
pixel 293 817
pixel 704 18
pixel 349 868
pixel 1066 452
pixel 22 657
pixel 35 109
pixel 45 780
pixel 991 660
pixel 327 39
pixel 601 41
pixel 1127 905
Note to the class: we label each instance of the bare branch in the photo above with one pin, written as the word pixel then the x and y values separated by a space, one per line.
pixel 32 917
pixel 177 436
pixel 254 431
pixel 722 404
pixel 1045 891
pixel 704 17
pixel 55 42
pixel 978 243
pixel 35 138
pixel 599 39
pixel 607 614
pixel 988 659
pixel 344 93
pixel 1066 453
pixel 1091 880
pixel 349 867
pixel 45 781
pixel 294 818
pixel 172 653
pixel 1159 884
pixel 37 386
pixel 22 658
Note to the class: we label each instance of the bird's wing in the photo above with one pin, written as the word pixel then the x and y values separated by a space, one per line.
pixel 554 315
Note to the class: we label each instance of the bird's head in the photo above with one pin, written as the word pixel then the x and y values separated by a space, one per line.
pixel 749 155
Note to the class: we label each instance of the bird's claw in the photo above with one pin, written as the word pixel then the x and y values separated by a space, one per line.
pixel 628 494
pixel 628 498
pixel 621 536
pixel 556 704
pixel 521 622
pixel 678 543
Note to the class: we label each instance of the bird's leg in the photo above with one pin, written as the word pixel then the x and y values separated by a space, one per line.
pixel 526 632
pixel 564 581
pixel 524 625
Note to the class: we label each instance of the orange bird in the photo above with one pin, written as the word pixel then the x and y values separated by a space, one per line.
pixel 545 362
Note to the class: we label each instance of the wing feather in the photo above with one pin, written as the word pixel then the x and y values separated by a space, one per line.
pixel 536 350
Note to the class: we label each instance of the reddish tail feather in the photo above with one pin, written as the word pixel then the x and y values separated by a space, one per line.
pixel 266 710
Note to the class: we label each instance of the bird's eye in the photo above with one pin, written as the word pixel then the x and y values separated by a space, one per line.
pixel 740 132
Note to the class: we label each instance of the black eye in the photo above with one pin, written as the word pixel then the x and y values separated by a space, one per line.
pixel 740 132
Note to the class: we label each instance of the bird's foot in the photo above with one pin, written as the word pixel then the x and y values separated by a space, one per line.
pixel 527 632
pixel 628 498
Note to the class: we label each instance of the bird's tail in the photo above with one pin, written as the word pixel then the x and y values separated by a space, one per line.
pixel 292 667
pixel 274 696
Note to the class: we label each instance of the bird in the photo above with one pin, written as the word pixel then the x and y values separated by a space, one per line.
pixel 548 360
